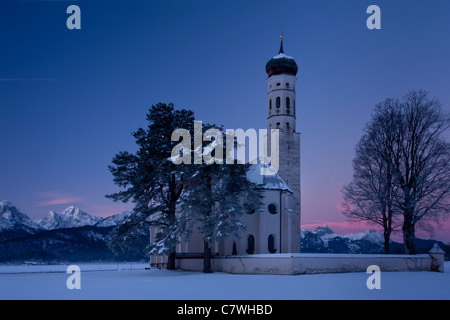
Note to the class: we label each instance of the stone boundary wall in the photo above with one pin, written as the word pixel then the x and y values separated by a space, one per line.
pixel 304 263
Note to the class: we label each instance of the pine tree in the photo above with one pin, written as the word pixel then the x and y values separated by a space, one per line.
pixel 153 183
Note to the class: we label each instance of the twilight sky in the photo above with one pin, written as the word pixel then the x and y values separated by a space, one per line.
pixel 69 99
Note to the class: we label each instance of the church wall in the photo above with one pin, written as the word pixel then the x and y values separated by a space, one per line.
pixel 262 224
pixel 293 176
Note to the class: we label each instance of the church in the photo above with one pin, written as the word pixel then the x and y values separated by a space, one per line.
pixel 275 227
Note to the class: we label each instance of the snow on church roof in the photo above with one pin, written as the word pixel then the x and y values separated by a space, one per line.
pixel 270 182
pixel 282 55
pixel 281 63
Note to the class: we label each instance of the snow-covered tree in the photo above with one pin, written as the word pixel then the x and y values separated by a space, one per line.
pixel 153 183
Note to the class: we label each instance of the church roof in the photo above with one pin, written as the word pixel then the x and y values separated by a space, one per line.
pixel 281 63
pixel 268 182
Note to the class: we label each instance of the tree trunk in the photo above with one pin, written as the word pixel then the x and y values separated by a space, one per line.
pixel 171 261
pixel 172 220
pixel 409 236
pixel 207 258
pixel 387 238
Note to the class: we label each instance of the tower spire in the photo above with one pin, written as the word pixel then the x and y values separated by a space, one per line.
pixel 281 37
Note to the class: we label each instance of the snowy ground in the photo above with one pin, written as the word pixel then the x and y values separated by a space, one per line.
pixel 134 282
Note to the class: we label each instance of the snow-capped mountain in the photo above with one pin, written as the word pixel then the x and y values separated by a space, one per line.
pixel 324 240
pixel 370 235
pixel 12 219
pixel 113 220
pixel 323 231
pixel 72 217
pixel 72 235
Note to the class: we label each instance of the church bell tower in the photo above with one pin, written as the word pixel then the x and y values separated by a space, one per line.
pixel 282 70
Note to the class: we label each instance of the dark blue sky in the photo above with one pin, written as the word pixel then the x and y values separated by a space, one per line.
pixel 69 99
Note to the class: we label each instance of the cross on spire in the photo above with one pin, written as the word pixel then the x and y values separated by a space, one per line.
pixel 281 37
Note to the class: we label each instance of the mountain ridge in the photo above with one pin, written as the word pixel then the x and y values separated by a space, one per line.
pixel 71 217
pixel 11 217
pixel 323 240
pixel 78 236
pixel 72 235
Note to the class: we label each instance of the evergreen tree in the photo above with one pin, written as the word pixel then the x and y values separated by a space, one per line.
pixel 153 183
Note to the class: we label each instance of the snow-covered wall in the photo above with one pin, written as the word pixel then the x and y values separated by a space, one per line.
pixel 316 263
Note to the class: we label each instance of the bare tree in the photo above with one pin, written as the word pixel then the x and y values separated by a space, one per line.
pixel 402 167
pixel 370 197
pixel 421 165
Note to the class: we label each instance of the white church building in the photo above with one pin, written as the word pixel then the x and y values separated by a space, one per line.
pixel 275 227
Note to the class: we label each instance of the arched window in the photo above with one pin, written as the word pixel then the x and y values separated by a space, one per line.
pixel 250 244
pixel 278 102
pixel 288 105
pixel 271 244
pixel 270 104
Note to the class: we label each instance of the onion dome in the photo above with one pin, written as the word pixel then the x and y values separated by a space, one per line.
pixel 281 63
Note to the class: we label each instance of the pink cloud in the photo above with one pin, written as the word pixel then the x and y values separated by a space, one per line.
pixel 68 200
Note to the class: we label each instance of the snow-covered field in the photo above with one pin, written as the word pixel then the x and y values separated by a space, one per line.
pixel 132 281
